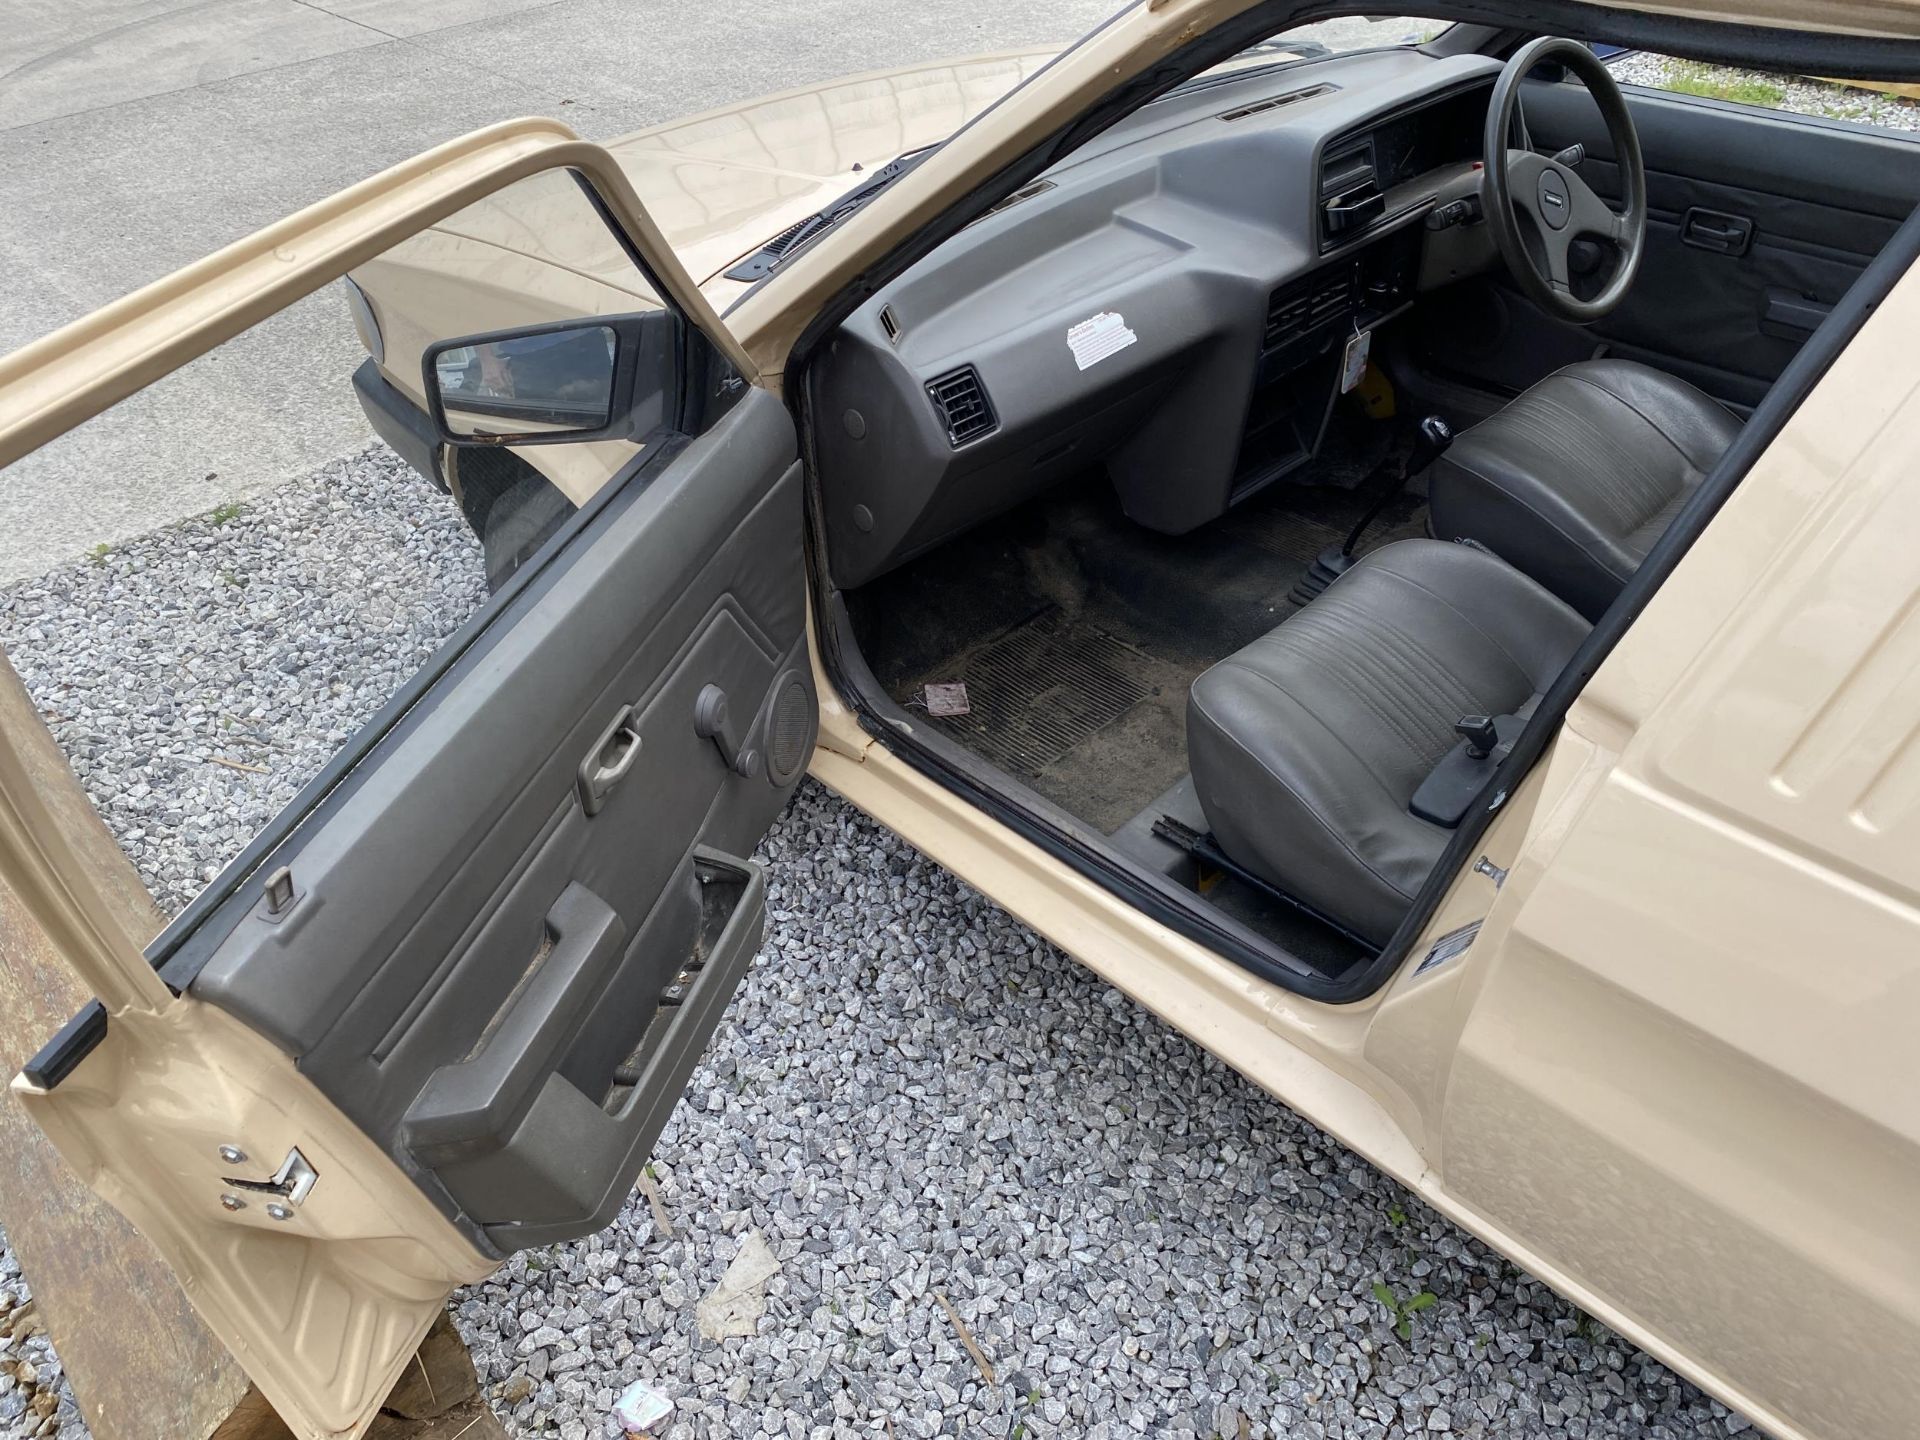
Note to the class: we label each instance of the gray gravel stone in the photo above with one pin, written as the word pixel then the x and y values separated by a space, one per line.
pixel 199 676
pixel 911 1095
pixel 35 1399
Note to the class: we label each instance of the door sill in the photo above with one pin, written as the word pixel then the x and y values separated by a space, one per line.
pixel 1088 852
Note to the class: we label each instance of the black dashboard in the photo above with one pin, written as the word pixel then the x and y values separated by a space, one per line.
pixel 1171 301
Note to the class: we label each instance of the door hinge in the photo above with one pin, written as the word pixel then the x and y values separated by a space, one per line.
pixel 289 1186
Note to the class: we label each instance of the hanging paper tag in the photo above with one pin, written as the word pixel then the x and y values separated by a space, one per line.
pixel 1354 368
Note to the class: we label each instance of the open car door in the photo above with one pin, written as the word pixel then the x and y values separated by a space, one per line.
pixel 440 1009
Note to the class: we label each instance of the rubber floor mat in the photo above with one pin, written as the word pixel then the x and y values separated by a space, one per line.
pixel 1294 523
pixel 1288 536
pixel 1040 689
pixel 1296 539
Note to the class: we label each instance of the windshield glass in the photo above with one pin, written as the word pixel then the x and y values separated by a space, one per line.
pixel 789 164
pixel 1337 37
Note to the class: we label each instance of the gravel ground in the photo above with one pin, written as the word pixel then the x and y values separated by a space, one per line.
pixel 199 676
pixel 913 1097
pixel 35 1399
pixel 1797 95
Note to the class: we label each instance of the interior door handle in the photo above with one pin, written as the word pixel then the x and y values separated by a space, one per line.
pixel 609 760
pixel 1717 231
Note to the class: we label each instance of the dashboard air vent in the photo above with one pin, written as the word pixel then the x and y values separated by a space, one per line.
pixel 1275 102
pixel 963 405
pixel 890 323
pixel 1350 194
pixel 1302 306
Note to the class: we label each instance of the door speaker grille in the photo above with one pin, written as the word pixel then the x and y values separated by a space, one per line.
pixel 787 729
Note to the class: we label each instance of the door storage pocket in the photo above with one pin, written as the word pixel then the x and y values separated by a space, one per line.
pixel 511 1135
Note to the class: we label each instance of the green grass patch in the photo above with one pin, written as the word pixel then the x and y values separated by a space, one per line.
pixel 1712 83
pixel 1402 1311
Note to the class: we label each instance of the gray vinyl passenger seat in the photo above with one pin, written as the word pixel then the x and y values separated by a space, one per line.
pixel 1308 745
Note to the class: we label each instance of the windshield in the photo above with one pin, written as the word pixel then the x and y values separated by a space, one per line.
pixel 1337 37
pixel 805 161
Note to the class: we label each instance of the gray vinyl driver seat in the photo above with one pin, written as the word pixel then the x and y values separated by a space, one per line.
pixel 1574 480
pixel 1307 746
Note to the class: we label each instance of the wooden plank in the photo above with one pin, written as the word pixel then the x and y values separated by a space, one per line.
pixel 141 1364
pixel 469 1420
pixel 438 1398
pixel 254 1419
pixel 1884 87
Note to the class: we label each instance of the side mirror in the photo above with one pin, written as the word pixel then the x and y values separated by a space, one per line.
pixel 600 379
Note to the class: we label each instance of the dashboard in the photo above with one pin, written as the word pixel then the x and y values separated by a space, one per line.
pixel 1171 301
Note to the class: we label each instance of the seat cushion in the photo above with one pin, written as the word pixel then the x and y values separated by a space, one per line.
pixel 1307 745
pixel 1576 479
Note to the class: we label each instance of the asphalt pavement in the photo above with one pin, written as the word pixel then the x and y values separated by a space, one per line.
pixel 138 135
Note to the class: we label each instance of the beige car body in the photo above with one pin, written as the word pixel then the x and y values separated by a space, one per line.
pixel 1668 1078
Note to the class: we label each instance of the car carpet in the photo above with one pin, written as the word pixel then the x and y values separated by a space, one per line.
pixel 1077 632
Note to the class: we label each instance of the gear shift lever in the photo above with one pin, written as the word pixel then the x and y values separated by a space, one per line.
pixel 1430 442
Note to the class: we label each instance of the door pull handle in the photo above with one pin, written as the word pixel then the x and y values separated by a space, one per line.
pixel 609 760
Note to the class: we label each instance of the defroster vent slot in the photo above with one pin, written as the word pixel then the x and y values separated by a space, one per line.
pixel 1292 97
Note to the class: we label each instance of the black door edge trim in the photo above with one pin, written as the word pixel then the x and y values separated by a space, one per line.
pixel 986 787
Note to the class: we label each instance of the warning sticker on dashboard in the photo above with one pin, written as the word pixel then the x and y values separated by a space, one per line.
pixel 1094 340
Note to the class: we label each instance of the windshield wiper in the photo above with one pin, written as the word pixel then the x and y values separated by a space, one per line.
pixel 784 245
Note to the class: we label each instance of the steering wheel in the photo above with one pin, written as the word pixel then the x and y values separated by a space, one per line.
pixel 1537 206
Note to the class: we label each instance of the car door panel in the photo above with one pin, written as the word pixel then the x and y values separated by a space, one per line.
pixel 403 952
pixel 1817 200
pixel 441 1009
pixel 1809 203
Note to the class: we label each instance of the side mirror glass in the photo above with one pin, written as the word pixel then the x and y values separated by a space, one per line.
pixel 543 384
